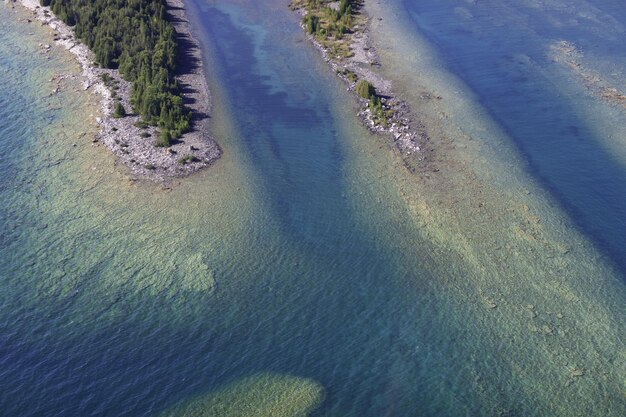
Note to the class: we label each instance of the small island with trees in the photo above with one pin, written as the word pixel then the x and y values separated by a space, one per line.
pixel 339 29
pixel 140 55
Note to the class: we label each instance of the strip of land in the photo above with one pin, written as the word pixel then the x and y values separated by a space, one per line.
pixel 129 137
pixel 339 29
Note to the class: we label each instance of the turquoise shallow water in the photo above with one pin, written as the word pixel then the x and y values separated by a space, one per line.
pixel 306 270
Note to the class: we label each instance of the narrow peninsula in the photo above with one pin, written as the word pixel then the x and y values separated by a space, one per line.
pixel 141 57
pixel 339 29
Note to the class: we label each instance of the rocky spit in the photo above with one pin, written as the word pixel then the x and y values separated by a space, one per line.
pixel 406 132
pixel 133 144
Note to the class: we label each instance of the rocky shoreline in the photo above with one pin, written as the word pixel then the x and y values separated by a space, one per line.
pixel 127 137
pixel 406 132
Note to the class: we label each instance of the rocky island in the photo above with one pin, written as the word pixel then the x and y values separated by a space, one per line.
pixel 339 29
pixel 155 103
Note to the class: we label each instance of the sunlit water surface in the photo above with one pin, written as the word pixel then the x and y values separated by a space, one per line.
pixel 307 270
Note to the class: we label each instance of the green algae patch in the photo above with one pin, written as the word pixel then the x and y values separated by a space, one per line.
pixel 263 395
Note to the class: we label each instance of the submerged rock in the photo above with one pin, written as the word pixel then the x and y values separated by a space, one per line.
pixel 262 395
pixel 197 276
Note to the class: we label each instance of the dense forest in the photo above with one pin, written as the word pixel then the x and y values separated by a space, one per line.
pixel 134 37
